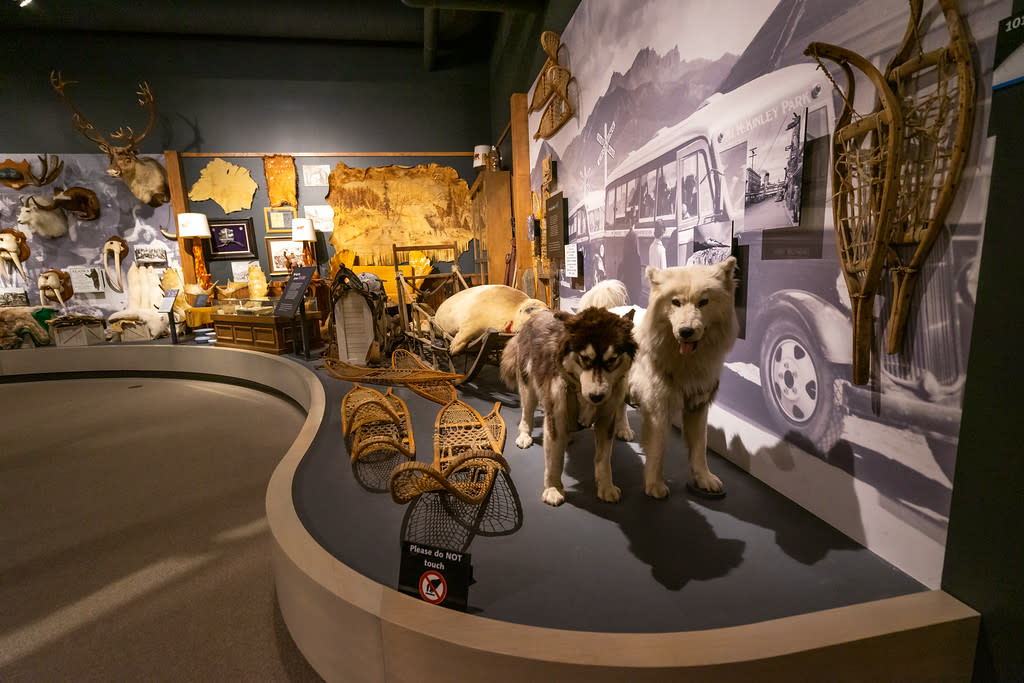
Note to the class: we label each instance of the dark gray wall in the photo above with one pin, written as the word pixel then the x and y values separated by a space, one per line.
pixel 244 95
pixel 985 544
pixel 239 95
pixel 517 57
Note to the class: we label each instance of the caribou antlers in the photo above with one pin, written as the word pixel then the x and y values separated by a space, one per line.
pixel 18 174
pixel 145 177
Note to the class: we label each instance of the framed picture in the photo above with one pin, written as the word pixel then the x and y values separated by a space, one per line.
pixel 283 254
pixel 150 254
pixel 231 239
pixel 279 218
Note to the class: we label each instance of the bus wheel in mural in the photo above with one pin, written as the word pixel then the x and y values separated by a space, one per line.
pixel 797 383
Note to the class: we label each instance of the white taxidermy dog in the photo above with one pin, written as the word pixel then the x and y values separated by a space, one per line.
pixel 689 327
pixel 469 313
pixel 577 367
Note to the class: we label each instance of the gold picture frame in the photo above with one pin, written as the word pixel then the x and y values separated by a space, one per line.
pixel 279 218
pixel 284 253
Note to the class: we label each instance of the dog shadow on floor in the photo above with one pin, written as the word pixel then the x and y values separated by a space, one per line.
pixel 670 535
pixel 798 533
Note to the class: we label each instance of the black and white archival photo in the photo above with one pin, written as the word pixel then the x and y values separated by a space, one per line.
pixel 83 247
pixel 703 131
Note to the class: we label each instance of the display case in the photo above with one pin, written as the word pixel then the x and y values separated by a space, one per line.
pixel 253 306
pixel 251 324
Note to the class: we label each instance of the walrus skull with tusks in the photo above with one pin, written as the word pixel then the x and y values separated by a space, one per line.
pixel 55 285
pixel 14 251
pixel 116 249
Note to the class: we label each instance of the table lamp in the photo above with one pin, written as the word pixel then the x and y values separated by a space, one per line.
pixel 195 227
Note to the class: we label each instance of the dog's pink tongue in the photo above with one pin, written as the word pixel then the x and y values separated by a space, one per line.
pixel 686 348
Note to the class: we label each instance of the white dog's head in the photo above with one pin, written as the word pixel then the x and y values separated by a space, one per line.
pixel 694 302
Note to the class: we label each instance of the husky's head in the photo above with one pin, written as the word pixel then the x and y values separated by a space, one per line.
pixel 598 351
pixel 694 302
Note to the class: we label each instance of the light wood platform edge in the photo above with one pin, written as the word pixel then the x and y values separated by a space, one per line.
pixel 352 628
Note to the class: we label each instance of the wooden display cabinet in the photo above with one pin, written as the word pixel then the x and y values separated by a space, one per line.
pixel 265 333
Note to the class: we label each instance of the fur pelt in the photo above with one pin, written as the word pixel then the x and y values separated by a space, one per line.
pixel 605 294
pixel 577 368
pixel 19 322
pixel 157 323
pixel 469 313
pixel 689 327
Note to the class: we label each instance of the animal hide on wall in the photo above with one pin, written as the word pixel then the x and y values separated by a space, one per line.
pixel 380 206
pixel 281 180
pixel 229 185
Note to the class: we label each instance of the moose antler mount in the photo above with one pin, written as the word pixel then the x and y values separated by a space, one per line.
pixel 144 176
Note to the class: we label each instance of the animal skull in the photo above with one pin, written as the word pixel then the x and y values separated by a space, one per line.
pixel 116 248
pixel 45 219
pixel 14 251
pixel 55 285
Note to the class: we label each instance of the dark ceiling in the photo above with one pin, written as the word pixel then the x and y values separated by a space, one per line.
pixel 448 26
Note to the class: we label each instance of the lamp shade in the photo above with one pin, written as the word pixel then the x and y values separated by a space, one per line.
pixel 302 230
pixel 480 153
pixel 193 225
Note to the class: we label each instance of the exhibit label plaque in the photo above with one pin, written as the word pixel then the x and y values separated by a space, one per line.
pixel 435 575
pixel 293 292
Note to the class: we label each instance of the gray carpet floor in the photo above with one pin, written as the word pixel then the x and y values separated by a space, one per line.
pixel 133 537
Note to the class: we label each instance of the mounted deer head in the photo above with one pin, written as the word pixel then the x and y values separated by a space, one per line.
pixel 145 177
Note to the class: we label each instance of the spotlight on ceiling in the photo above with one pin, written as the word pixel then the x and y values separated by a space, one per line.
pixel 24 3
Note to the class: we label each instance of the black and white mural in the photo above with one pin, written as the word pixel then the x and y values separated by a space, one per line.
pixel 76 246
pixel 703 130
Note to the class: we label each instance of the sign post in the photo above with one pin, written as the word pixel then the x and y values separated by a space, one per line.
pixel 292 301
pixel 167 306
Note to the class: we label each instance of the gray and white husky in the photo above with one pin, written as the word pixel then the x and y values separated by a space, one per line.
pixel 577 367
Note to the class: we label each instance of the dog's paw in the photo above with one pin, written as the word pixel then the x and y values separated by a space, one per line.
pixel 708 482
pixel 656 489
pixel 553 496
pixel 624 433
pixel 524 440
pixel 609 493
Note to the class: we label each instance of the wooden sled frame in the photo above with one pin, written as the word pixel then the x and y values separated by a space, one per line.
pixel 432 344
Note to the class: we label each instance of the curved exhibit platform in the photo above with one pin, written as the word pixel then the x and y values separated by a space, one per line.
pixel 749 587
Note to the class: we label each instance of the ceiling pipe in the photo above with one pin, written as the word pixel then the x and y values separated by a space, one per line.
pixel 431 10
pixel 430 15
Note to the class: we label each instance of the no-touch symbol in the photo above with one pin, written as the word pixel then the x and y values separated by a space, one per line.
pixel 433 587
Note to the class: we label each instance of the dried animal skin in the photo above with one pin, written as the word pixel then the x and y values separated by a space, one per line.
pixel 380 206
pixel 281 180
pixel 229 185
pixel 171 279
